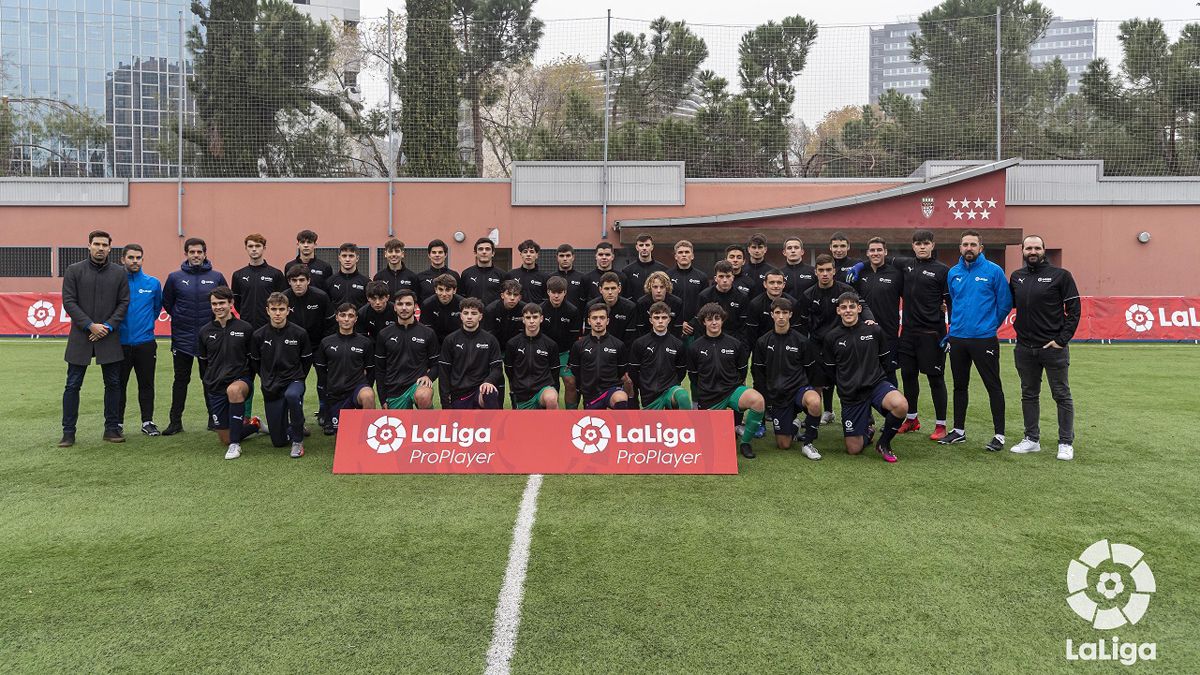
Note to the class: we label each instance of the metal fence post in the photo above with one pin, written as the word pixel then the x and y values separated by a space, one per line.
pixel 393 155
pixel 607 96
pixel 179 139
pixel 999 86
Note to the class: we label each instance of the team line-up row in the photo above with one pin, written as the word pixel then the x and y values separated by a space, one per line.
pixel 801 330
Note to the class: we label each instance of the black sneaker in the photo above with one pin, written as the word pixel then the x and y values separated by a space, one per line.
pixel 114 436
pixel 306 431
pixel 747 451
pixel 173 428
pixel 67 440
pixel 952 437
pixel 150 429
pixel 995 445
pixel 329 430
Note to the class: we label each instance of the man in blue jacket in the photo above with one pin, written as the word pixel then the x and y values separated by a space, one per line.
pixel 185 297
pixel 137 336
pixel 980 302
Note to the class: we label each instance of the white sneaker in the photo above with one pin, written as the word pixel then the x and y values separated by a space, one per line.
pixel 827 417
pixel 1026 446
pixel 810 451
pixel 1066 452
pixel 234 451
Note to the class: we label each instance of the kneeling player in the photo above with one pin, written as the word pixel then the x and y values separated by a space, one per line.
pixel 716 362
pixel 470 365
pixel 599 362
pixel 858 352
pixel 406 356
pixel 281 354
pixel 531 361
pixel 224 347
pixel 784 363
pixel 348 359
pixel 658 362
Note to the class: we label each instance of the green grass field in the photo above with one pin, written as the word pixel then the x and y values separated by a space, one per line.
pixel 158 555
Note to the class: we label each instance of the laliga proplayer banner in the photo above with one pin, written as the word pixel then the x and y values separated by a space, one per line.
pixel 42 315
pixel 1131 318
pixel 535 441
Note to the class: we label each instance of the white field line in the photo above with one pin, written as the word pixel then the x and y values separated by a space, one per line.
pixel 508 606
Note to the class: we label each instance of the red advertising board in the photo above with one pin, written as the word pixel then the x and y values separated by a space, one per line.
pixel 535 441
pixel 42 315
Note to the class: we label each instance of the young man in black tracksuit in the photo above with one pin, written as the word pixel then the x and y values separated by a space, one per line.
pixel 784 365
pixel 800 275
pixel 406 357
pixel 686 283
pixel 839 248
pixel 819 315
pixel 1048 309
pixel 757 266
pixel 622 312
pixel 599 361
pixel 577 283
pixel 395 274
pixel 319 271
pixel 347 285
pixel 857 352
pixel 734 302
pixel 658 289
pixel 716 363
pixel 282 355
pixel 482 280
pixel 531 279
pixel 531 362
pixel 310 309
pixel 224 346
pixel 437 252
pixel 636 272
pixel 604 257
pixel 503 317
pixel 759 317
pixel 348 359
pixel 440 311
pixel 658 364
pixel 255 282
pixel 471 363
pixel 735 255
pixel 378 313
pixel 560 322
pixel 881 285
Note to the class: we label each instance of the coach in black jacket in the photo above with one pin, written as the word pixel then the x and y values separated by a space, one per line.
pixel 95 294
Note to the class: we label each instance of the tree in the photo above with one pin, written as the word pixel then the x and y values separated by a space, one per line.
pixel 769 58
pixel 428 79
pixel 493 36
pixel 46 136
pixel 653 74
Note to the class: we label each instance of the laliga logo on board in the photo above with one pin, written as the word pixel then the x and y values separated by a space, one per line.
pixel 385 434
pixel 1121 565
pixel 41 314
pixel 1141 318
pixel 590 435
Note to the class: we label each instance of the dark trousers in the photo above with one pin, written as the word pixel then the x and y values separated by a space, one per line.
pixel 183 377
pixel 893 361
pixel 1031 361
pixel 111 373
pixel 984 354
pixel 140 359
pixel 285 415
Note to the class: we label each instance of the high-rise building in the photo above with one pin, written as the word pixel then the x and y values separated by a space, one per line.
pixel 891 68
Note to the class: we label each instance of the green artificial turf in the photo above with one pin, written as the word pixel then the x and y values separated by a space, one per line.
pixel 158 555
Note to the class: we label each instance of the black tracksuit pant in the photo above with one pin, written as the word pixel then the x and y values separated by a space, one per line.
pixel 140 359
pixel 984 354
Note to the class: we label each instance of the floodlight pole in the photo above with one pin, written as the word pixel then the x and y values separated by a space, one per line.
pixel 179 141
pixel 391 165
pixel 998 85
pixel 607 85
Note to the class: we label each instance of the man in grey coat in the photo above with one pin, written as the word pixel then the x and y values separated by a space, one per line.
pixel 95 294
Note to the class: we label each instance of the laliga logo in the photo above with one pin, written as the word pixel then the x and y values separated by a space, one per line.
pixel 1139 318
pixel 590 435
pixel 41 314
pixel 1110 585
pixel 385 434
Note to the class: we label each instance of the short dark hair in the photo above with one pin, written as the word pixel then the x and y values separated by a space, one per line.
pixel 393 244
pixel 1023 239
pixel 644 237
pixel 138 247
pixel 531 308
pixel 722 267
pixel 757 239
pixel 481 241
pixel 798 240
pixel 781 303
pixel 608 277
pixel 824 259
pixel 556 284
pixel 971 233
pixel 377 288
pixel 405 293
pixel 712 309
pixel 510 286
pixel 597 307
pixel 604 244
pixel 99 233
pixel 849 296
pixel 566 248
pixel 839 236
pixel 445 281
pixel 277 298
pixel 304 236
pixel 774 272
pixel 296 270
pixel 659 308
pixel 221 293
pixel 348 246
pixel 347 307
pixel 435 243
pixel 529 244
pixel 735 247
pixel 471 303
pixel 922 235
pixel 190 242
pixel 877 240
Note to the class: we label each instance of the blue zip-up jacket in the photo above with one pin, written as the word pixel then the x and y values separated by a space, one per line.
pixel 185 297
pixel 980 298
pixel 145 302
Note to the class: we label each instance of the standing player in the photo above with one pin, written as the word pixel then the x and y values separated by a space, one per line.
pixel 185 297
pixel 923 325
pixel 621 310
pixel 504 318
pixel 980 302
pixel 377 314
pixel 800 275
pixel 531 362
pixel 760 315
pixel 857 352
pixel 658 364
pixel 733 301
pixel 482 280
pixel 560 322
pixel 716 364
pixel 282 355
pixel 658 289
pixel 137 337
pixel 470 364
pixel 757 266
pixel 881 285
pixel 440 312
pixel 784 367
pixel 604 264
pixel 395 274
pixel 1048 308
pixel 251 286
pixel 437 253
pixel 839 248
pixel 819 308
pixel 348 360
pixel 309 308
pixel 95 295
pixel 531 279
pixel 348 285
pixel 735 255
pixel 577 284
pixel 686 282
pixel 319 271
pixel 406 358
pixel 639 270
pixel 224 347
pixel 599 362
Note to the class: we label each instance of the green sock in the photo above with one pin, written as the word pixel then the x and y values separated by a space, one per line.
pixel 682 400
pixel 750 424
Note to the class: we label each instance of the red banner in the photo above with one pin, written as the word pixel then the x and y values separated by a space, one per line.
pixel 535 441
pixel 42 315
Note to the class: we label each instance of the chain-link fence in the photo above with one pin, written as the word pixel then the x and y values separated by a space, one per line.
pixel 151 89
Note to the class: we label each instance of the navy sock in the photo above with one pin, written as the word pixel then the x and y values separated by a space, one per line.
pixel 235 426
pixel 621 405
pixel 890 426
pixel 812 424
